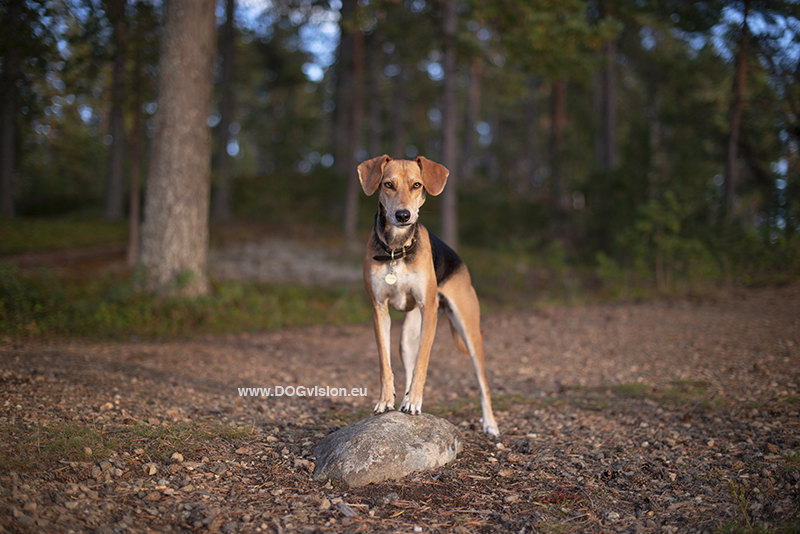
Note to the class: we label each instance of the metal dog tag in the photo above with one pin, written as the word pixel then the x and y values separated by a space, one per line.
pixel 390 279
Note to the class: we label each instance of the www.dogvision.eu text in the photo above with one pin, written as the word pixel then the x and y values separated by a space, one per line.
pixel 302 391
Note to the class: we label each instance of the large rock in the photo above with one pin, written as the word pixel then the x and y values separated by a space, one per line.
pixel 385 447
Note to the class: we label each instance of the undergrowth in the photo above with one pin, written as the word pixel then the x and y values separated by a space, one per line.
pixel 43 306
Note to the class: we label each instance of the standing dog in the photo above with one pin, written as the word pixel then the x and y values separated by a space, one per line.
pixel 411 269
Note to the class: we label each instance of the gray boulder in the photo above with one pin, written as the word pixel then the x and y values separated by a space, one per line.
pixel 385 447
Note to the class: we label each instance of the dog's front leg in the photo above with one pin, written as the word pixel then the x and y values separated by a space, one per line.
pixel 383 324
pixel 412 401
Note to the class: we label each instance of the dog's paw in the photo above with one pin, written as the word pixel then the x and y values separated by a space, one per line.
pixel 383 407
pixel 411 408
pixel 491 429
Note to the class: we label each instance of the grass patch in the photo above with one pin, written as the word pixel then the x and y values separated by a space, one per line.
pixel 43 306
pixel 18 236
pixel 41 446
pixel 633 390
pixel 684 392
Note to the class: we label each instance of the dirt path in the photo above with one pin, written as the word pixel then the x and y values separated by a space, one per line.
pixel 654 417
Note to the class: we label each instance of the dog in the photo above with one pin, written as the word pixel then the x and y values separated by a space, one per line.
pixel 412 270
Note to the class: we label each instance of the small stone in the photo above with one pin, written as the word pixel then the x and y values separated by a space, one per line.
pixel 30 506
pixel 506 472
pixel 511 499
pixel 325 504
pixel 513 458
pixel 612 516
pixel 96 472
pixel 177 457
pixel 71 505
pixel 92 494
pixel 87 451
pixel 271 439
pixel 303 464
pixel 150 469
pixel 153 496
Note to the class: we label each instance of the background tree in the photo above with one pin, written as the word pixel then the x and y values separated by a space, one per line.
pixel 115 183
pixel 175 230
pixel 25 46
pixel 220 191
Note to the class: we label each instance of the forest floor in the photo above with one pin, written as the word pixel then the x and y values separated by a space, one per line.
pixel 679 415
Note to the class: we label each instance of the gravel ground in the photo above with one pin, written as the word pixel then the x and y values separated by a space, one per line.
pixel 666 416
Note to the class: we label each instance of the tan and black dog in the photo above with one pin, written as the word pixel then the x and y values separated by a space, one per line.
pixel 412 270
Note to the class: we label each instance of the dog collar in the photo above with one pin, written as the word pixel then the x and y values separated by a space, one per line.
pixel 394 254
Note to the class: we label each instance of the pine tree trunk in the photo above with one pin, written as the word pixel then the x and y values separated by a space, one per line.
pixel 606 144
pixel 175 230
pixel 399 116
pixel 731 164
pixel 353 185
pixel 134 148
pixel 115 181
pixel 532 114
pixel 611 148
pixel 559 125
pixel 8 130
pixel 449 127
pixel 473 112
pixel 220 194
pixel 375 109
pixel 342 114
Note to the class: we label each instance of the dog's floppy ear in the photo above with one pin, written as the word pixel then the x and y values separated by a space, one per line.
pixel 434 175
pixel 370 173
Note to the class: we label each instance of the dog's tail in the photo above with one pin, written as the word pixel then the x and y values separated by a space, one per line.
pixel 460 342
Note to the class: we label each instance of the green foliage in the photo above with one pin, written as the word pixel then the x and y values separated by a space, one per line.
pixel 42 306
pixel 657 244
pixel 19 235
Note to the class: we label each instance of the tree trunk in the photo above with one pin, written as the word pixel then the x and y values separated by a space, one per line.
pixel 531 112
pixel 134 146
pixel 342 115
pixel 220 194
pixel 357 117
pixel 399 116
pixel 115 181
pixel 8 127
pixel 559 125
pixel 375 109
pixel 175 230
pixel 473 112
pixel 731 164
pixel 611 146
pixel 449 125
pixel 606 145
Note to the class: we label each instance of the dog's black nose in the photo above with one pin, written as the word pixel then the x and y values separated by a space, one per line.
pixel 402 216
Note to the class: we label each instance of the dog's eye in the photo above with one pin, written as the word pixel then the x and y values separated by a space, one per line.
pixel 388 185
pixel 417 185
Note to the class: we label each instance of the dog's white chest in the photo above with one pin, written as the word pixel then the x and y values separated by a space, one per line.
pixel 400 286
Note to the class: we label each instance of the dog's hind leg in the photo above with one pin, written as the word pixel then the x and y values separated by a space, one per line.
pixel 463 310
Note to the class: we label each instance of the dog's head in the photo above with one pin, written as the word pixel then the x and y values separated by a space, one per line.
pixel 403 185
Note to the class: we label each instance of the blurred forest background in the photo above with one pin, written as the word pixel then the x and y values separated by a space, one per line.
pixel 642 144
